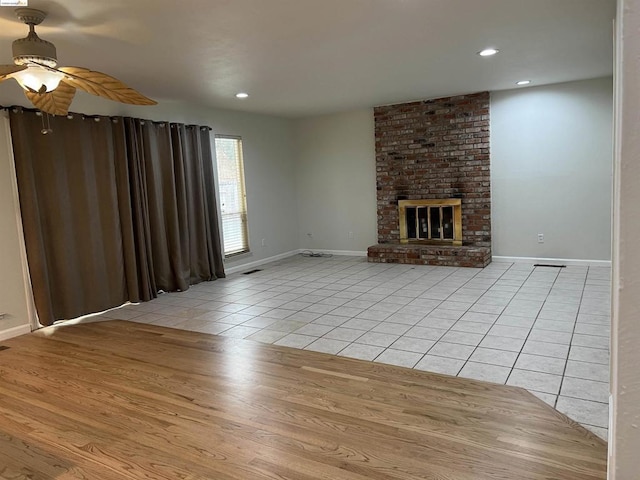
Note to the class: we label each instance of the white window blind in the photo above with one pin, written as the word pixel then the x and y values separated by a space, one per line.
pixel 233 203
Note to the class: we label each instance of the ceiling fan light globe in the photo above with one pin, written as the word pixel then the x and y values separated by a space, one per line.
pixel 33 78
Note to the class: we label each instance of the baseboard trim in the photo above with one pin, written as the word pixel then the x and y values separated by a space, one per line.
pixel 348 253
pixel 14 332
pixel 275 258
pixel 257 263
pixel 553 261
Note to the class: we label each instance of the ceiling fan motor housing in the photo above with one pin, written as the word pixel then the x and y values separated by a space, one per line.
pixel 32 48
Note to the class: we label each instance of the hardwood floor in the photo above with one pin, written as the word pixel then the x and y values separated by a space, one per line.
pixel 119 400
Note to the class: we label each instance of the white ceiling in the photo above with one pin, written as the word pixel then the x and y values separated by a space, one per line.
pixel 307 57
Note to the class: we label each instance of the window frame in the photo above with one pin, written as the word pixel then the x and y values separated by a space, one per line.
pixel 241 183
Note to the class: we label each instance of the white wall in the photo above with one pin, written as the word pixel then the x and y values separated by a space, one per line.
pixel 336 181
pixel 624 432
pixel 268 157
pixel 13 299
pixel 551 167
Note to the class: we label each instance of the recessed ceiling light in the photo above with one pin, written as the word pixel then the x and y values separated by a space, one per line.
pixel 523 82
pixel 242 95
pixel 487 52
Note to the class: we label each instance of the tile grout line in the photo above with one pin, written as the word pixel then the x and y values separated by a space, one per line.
pixel 378 321
pixel 530 329
pixel 449 329
pixel 441 302
pixel 571 340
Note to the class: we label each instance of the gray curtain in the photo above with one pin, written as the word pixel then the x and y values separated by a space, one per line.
pixel 114 210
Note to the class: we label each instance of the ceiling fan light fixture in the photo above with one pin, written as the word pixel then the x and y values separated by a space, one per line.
pixel 50 88
pixel 34 78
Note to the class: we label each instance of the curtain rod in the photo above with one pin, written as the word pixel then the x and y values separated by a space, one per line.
pixel 86 115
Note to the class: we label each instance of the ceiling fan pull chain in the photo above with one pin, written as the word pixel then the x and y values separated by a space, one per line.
pixel 46 129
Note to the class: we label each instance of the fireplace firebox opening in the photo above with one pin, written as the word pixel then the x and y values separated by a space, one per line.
pixel 431 221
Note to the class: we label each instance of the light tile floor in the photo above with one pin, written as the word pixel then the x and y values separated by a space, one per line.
pixel 541 328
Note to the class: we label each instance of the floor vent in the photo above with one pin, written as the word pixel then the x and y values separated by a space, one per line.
pixel 547 265
pixel 252 271
pixel 3 347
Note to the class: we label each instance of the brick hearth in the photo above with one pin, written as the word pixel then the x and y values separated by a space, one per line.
pixel 434 149
pixel 443 255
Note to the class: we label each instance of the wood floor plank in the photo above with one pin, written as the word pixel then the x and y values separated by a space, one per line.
pixel 141 401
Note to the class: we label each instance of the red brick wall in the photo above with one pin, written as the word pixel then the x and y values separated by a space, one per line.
pixel 435 149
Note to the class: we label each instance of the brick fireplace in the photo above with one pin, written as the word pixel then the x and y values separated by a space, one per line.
pixel 434 150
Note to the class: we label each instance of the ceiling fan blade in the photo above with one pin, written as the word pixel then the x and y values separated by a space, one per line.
pixel 6 70
pixel 103 85
pixel 56 102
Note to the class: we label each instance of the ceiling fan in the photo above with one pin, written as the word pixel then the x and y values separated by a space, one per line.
pixel 52 89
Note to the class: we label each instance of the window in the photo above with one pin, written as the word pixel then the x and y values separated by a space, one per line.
pixel 232 195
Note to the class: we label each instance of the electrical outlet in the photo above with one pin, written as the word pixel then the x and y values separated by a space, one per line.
pixel 264 242
pixel 541 238
pixel 351 235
